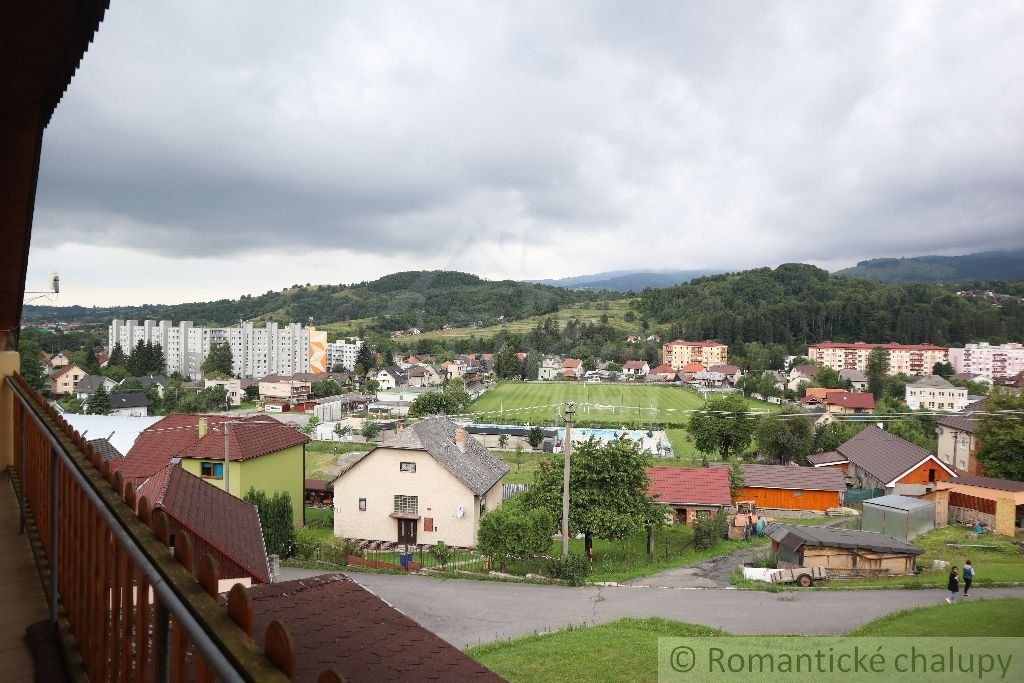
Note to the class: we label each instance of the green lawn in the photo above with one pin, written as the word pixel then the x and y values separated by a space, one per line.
pixel 585 312
pixel 523 472
pixel 614 405
pixel 990 618
pixel 323 454
pixel 626 650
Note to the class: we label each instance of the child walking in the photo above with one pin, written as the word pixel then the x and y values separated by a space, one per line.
pixel 954 585
pixel 968 576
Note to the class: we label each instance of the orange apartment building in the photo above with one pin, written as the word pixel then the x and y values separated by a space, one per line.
pixel 679 353
pixel 915 360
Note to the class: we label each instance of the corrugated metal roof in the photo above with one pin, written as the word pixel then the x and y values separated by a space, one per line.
pixel 899 502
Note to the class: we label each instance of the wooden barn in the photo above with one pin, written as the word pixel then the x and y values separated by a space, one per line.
pixel 789 487
pixel 842 552
pixel 692 492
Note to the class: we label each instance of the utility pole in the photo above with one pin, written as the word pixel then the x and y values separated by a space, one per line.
pixel 570 409
pixel 227 463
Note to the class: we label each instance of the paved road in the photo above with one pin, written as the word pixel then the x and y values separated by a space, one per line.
pixel 711 573
pixel 467 612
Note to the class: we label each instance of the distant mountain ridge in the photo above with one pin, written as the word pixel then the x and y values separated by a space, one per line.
pixel 986 265
pixel 627 280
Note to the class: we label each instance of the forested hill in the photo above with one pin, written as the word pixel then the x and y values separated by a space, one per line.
pixel 424 299
pixel 987 266
pixel 795 304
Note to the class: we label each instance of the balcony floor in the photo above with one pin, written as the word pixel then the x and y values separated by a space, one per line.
pixel 22 601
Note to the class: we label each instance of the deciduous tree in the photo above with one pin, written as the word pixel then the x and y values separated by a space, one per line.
pixel 723 426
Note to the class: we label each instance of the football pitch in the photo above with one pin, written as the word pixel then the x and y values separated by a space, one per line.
pixel 612 405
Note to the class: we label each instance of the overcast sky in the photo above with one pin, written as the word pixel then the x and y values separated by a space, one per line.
pixel 210 149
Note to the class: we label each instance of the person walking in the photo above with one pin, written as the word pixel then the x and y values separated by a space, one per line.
pixel 968 576
pixel 954 585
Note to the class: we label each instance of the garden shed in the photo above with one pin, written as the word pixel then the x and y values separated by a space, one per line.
pixel 902 517
pixel 842 552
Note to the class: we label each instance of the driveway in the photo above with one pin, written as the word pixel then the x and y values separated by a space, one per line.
pixel 466 612
pixel 713 572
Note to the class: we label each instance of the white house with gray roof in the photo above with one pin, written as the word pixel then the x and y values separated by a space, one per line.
pixel 428 483
pixel 935 393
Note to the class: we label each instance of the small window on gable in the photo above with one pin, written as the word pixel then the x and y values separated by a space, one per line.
pixel 362 505
pixel 407 467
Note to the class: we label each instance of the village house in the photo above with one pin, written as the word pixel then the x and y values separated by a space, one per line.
pixel 65 379
pixel 732 373
pixel 572 368
pixel 635 368
pixel 284 388
pixel 90 383
pixel 661 373
pixel 800 374
pixel 219 524
pixel 262 454
pixel 957 443
pixel 848 402
pixel 935 393
pixel 232 387
pixel 135 404
pixel 428 483
pixel 679 353
pixel 688 372
pixel 550 368
pixel 996 503
pixel 789 487
pixel 391 377
pixel 454 368
pixel 842 552
pixel 857 379
pixel 59 360
pixel 876 459
pixel 692 492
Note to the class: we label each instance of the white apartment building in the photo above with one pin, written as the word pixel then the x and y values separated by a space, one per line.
pixel 915 360
pixel 1004 360
pixel 255 351
pixel 343 352
pixel 935 393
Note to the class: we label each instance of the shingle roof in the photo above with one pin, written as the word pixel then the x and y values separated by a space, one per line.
pixel 725 368
pixel 989 483
pixel 336 623
pixel 225 522
pixel 90 383
pixel 851 399
pixel 634 364
pixel 64 370
pixel 932 381
pixel 174 434
pixel 825 458
pixel 791 477
pixel 136 399
pixel 794 536
pixel 807 370
pixel 963 420
pixel 691 485
pixel 246 440
pixel 475 466
pixel 105 449
pixel 883 455
pixel 853 375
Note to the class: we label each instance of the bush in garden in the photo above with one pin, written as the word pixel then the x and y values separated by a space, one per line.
pixel 334 550
pixel 709 530
pixel 441 553
pixel 572 569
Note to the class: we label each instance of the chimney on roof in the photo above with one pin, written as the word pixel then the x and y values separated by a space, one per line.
pixel 460 438
pixel 202 427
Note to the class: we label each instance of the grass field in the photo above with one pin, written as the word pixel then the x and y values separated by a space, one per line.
pixel 626 650
pixel 615 405
pixel 584 312
pixel 323 454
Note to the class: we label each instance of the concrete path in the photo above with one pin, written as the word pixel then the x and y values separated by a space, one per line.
pixel 467 612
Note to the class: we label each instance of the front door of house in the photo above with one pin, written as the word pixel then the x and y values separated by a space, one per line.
pixel 407 531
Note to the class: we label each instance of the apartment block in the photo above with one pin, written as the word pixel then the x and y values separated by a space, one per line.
pixel 679 353
pixel 1003 360
pixel 935 393
pixel 343 352
pixel 911 359
pixel 255 351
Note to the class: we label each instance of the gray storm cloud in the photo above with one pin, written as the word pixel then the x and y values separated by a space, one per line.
pixel 747 132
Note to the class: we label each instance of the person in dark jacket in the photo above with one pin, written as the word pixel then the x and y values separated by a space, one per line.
pixel 968 576
pixel 954 585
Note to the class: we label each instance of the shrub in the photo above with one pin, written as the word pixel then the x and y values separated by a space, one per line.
pixel 306 543
pixel 334 550
pixel 708 531
pixel 275 514
pixel 572 569
pixel 441 553
pixel 514 532
pixel 768 561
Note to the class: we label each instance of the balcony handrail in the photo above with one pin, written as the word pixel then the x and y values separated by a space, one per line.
pixel 226 648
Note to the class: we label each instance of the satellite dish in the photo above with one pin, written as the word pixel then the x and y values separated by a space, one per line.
pixel 460 512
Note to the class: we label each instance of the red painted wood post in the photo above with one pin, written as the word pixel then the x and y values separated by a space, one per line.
pixel 280 648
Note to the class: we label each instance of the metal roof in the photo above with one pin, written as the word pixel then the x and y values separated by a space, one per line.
pixel 794 536
pixel 899 502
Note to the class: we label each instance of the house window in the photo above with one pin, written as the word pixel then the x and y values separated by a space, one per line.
pixel 703 514
pixel 797 494
pixel 362 505
pixel 407 467
pixel 409 505
pixel 212 470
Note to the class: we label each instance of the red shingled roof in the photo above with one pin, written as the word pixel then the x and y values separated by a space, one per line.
pixel 337 624
pixel 228 524
pixel 690 485
pixel 851 399
pixel 175 435
pixel 572 363
pixel 864 346
pixel 692 367
pixel 680 342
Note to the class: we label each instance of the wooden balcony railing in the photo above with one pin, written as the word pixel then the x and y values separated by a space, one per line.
pixel 125 602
